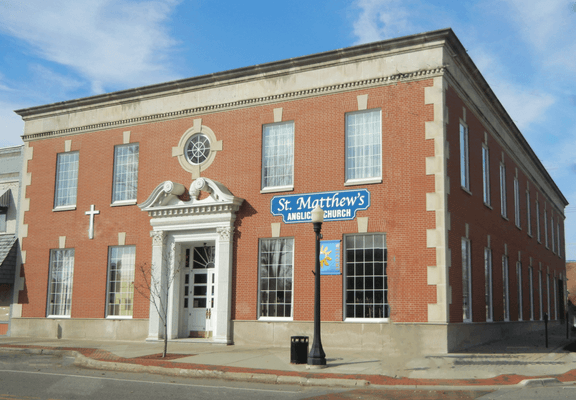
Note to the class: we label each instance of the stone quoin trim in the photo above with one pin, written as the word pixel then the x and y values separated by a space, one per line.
pixel 437 201
pixel 28 153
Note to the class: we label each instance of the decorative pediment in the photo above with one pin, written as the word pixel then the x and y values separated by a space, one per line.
pixel 166 199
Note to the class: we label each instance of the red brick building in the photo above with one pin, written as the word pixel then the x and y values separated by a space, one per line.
pixel 442 229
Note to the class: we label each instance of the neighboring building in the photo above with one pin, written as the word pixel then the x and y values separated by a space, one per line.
pixel 10 166
pixel 441 220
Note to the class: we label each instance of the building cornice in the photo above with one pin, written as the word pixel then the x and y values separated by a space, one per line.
pixel 255 72
pixel 195 111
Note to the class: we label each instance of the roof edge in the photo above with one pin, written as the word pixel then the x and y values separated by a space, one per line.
pixel 243 72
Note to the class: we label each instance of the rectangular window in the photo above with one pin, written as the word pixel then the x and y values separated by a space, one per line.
pixel 488 283
pixel 121 262
pixel 505 288
pixel 558 238
pixel 528 213
pixel 552 234
pixel 531 288
pixel 540 294
pixel 538 222
pixel 486 174
pixel 466 282
pixel 60 282
pixel 366 282
pixel 545 228
pixel 3 214
pixel 125 185
pixel 503 209
pixel 464 158
pixel 555 298
pixel 517 202
pixel 278 155
pixel 548 295
pixel 66 179
pixel 364 145
pixel 519 283
pixel 276 274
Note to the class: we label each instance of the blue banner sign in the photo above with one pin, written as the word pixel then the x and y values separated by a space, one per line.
pixel 330 257
pixel 337 206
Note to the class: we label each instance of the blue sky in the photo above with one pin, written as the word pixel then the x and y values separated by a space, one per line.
pixel 59 50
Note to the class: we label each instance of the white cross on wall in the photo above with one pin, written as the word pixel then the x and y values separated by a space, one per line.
pixel 91 213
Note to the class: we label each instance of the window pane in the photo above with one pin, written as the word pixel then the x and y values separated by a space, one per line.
pixel 125 172
pixel 278 155
pixel 276 274
pixel 365 279
pixel 60 282
pixel 66 179
pixel 364 145
pixel 466 282
pixel 121 262
pixel 464 182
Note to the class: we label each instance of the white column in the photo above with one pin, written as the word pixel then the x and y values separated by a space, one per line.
pixel 173 286
pixel 155 328
pixel 222 328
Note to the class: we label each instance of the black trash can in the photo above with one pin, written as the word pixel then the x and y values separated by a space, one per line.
pixel 299 350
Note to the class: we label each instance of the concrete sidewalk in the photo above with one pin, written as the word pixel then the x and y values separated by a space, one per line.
pixel 508 361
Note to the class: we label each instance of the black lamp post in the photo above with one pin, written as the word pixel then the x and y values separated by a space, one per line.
pixel 317 357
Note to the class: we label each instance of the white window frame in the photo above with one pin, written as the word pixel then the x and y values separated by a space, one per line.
pixel 466 281
pixel 371 148
pixel 486 174
pixel 538 230
pixel 558 237
pixel 287 262
pixel 553 247
pixel 125 179
pixel 519 291
pixel 506 288
pixel 555 284
pixel 126 282
pixel 517 202
pixel 348 265
pixel 488 284
pixel 503 206
pixel 548 295
pixel 278 156
pixel 464 157
pixel 531 288
pixel 64 260
pixel 528 213
pixel 66 182
pixel 541 295
pixel 545 228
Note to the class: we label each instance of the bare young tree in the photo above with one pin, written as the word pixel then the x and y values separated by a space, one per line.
pixel 157 282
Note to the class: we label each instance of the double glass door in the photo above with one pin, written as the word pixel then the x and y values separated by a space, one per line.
pixel 199 290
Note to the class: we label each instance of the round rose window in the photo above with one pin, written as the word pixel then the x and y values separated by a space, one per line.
pixel 197 149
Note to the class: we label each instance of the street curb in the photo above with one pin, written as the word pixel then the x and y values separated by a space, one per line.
pixel 539 382
pixel 83 361
pixel 86 362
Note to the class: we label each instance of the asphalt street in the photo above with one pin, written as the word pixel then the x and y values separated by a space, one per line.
pixel 37 376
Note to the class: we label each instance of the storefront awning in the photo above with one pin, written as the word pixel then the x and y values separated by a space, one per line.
pixel 5 198
pixel 7 258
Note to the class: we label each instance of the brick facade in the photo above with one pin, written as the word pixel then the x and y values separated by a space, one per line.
pixel 411 104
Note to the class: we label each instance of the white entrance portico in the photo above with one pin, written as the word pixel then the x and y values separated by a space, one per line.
pixel 192 260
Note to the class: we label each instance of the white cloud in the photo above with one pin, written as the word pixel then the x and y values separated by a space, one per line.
pixel 52 80
pixel 110 43
pixel 381 19
pixel 549 28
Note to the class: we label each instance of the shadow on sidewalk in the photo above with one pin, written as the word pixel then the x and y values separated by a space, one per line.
pixel 531 342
